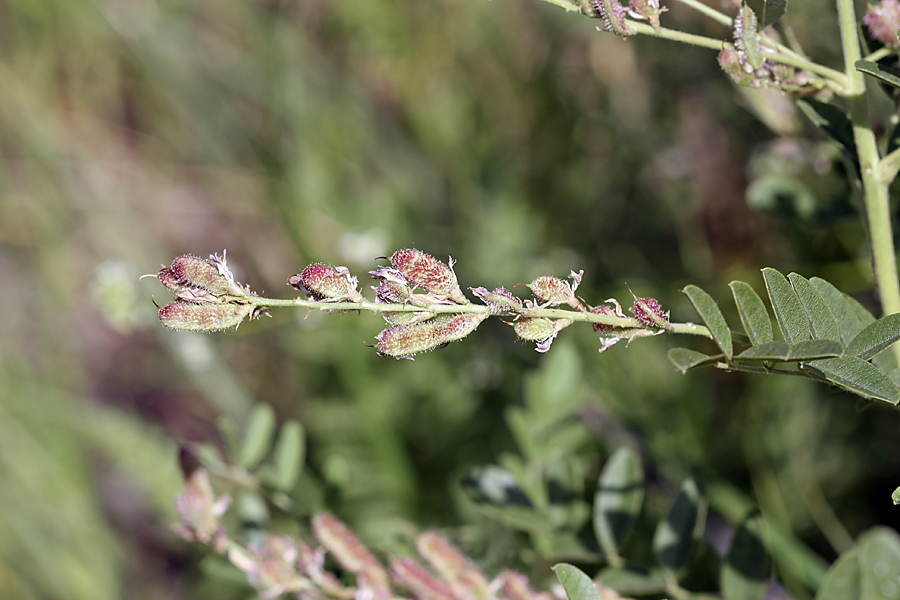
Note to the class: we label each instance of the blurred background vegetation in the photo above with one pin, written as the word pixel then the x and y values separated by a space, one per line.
pixel 508 134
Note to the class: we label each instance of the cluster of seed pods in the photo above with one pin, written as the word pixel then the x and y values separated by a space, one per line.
pixel 431 309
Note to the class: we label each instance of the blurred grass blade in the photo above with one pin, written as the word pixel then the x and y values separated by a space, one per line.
pixel 876 337
pixel 745 571
pixel 847 320
pixel 675 537
pixel 632 581
pixel 879 561
pixel 685 359
pixel 288 456
pixel 777 350
pixel 858 376
pixel 822 322
pixel 813 349
pixel 258 435
pixel 577 584
pixel 754 315
pixel 709 311
pixel 788 310
pixel 843 581
pixel 768 12
pixel 618 500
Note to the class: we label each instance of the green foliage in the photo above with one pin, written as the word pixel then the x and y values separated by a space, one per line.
pixel 824 335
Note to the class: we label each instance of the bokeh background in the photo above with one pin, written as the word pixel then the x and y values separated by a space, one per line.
pixel 506 133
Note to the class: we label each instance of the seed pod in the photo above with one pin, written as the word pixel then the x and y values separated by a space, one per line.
pixel 553 291
pixel 649 312
pixel 425 271
pixel 465 580
pixel 539 329
pixel 500 300
pixel 604 309
pixel 207 317
pixel 392 286
pixel 168 278
pixel 397 317
pixel 418 580
pixel 325 283
pixel 193 271
pixel 405 341
pixel 347 549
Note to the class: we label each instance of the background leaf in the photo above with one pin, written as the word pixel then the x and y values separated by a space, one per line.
pixel 768 12
pixel 618 499
pixel 833 121
pixel 879 560
pixel 879 72
pixel 685 358
pixel 675 538
pixel 257 435
pixel 578 586
pixel 843 581
pixel 745 571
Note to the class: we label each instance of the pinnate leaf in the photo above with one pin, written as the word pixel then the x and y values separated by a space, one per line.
pixel 685 359
pixel 878 72
pixel 773 351
pixel 844 313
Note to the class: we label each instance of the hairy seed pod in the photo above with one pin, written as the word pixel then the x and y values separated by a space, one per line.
pixel 649 312
pixel 171 282
pixel 534 329
pixel 405 341
pixel 193 271
pixel 418 580
pixel 427 272
pixel 207 317
pixel 465 580
pixel 604 309
pixel 347 549
pixel 501 300
pixel 326 283
pixel 392 286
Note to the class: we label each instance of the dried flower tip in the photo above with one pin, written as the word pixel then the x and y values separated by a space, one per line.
pixel 325 283
pixel 553 292
pixel 732 62
pixel 424 271
pixel 416 578
pixel 193 271
pixel 649 312
pixel 465 580
pixel 346 548
pixel 405 341
pixel 883 21
pixel 540 330
pixel 208 317
pixel 392 286
pixel 501 300
pixel 646 10
pixel 612 15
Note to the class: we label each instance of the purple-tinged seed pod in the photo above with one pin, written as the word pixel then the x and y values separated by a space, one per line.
pixel 501 300
pixel 392 286
pixel 417 579
pixel 649 312
pixel 325 283
pixel 349 552
pixel 405 341
pixel 206 317
pixel 169 280
pixel 425 271
pixel 553 291
pixel 193 271
pixel 465 580
pixel 604 309
pixel 534 329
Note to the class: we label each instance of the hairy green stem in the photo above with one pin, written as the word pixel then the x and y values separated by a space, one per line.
pixel 875 177
pixel 549 313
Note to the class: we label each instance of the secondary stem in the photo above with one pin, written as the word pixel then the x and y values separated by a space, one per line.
pixel 875 184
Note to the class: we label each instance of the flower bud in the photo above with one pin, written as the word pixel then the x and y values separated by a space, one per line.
pixel 405 341
pixel 424 271
pixel 325 283
pixel 206 317
pixel 500 300
pixel 883 21
pixel 416 578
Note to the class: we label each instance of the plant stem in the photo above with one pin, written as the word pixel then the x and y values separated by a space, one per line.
pixel 549 313
pixel 875 178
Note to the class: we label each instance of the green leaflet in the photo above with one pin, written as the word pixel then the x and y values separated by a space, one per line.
pixel 685 359
pixel 876 337
pixel 857 375
pixel 709 311
pixel 843 579
pixel 675 537
pixel 754 315
pixel 768 11
pixel 578 586
pixel 787 306
pixel 745 570
pixel 844 313
pixel 258 435
pixel 822 321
